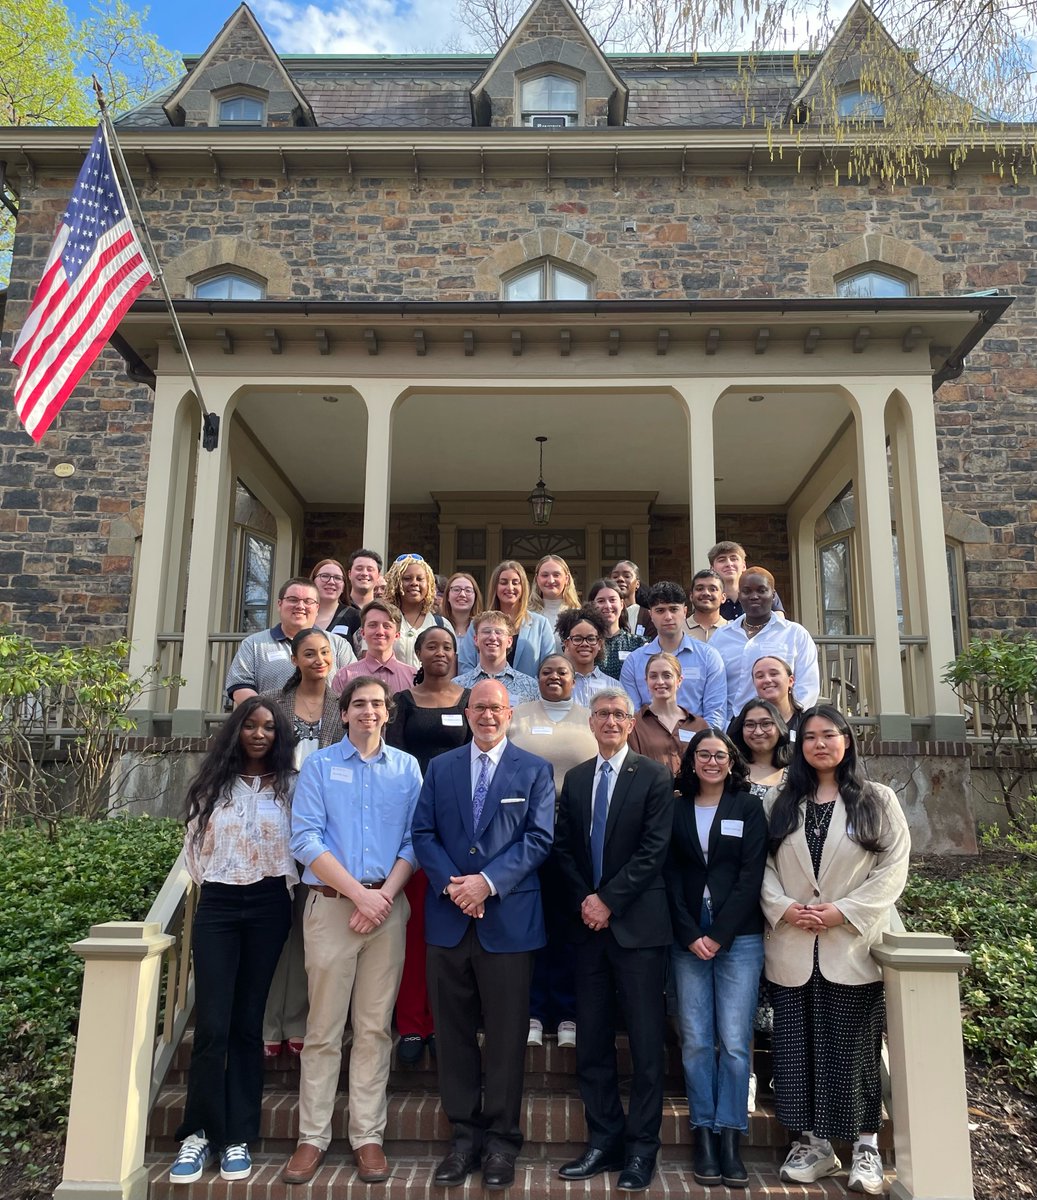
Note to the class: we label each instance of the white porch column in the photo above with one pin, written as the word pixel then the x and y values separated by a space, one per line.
pixel 212 500
pixel 379 395
pixel 174 437
pixel 700 397
pixel 923 553
pixel 874 518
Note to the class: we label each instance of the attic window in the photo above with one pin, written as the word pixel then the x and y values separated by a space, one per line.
pixel 241 110
pixel 229 285
pixel 550 101
pixel 871 282
pixel 858 104
pixel 547 280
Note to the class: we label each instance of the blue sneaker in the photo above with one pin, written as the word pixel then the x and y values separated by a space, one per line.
pixel 236 1162
pixel 195 1155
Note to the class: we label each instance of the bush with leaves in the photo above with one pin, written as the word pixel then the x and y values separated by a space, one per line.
pixel 992 914
pixel 52 889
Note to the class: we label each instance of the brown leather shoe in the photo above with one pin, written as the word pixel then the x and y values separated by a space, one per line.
pixel 303 1164
pixel 371 1163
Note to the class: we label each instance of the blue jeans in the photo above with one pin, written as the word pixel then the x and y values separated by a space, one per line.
pixel 716 1002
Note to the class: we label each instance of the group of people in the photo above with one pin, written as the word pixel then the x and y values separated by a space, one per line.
pixel 508 820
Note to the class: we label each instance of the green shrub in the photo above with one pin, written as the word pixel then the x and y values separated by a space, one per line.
pixel 53 887
pixel 992 914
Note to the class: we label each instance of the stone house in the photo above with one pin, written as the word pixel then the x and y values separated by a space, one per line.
pixel 395 272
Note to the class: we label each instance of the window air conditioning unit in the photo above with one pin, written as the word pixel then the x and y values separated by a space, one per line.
pixel 549 121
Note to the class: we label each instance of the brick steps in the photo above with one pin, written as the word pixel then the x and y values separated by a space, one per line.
pixel 412 1178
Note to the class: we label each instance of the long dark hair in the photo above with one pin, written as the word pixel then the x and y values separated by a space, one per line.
pixel 687 781
pixel 296 676
pixel 863 807
pixel 782 751
pixel 225 760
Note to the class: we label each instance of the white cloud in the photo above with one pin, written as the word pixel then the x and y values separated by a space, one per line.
pixel 360 26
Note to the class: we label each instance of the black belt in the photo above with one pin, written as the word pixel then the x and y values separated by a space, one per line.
pixel 372 885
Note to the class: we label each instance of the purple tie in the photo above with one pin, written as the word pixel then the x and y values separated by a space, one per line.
pixel 482 786
pixel 598 823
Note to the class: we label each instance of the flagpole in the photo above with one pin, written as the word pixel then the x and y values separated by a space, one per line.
pixel 210 421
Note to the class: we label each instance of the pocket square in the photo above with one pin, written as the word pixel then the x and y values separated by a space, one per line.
pixel 514 800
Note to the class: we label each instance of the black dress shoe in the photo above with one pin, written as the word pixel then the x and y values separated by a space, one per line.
pixel 410 1050
pixel 498 1170
pixel 731 1166
pixel 705 1161
pixel 592 1162
pixel 455 1168
pixel 636 1174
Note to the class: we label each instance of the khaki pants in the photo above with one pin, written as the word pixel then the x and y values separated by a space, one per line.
pixel 341 965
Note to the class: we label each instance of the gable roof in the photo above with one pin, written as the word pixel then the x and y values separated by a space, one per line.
pixel 564 13
pixel 242 16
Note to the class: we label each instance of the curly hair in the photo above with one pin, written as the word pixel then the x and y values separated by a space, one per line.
pixel 570 596
pixel 225 760
pixel 687 782
pixel 569 618
pixel 394 582
pixel 782 751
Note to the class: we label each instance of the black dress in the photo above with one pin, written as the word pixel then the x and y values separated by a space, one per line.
pixel 422 731
pixel 827 1039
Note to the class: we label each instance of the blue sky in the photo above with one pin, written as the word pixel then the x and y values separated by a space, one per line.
pixel 356 27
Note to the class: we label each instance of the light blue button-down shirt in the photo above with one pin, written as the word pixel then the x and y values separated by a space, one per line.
pixel 359 810
pixel 703 688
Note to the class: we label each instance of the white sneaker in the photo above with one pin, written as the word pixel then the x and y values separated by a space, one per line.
pixel 536 1032
pixel 567 1033
pixel 751 1107
pixel 805 1163
pixel 866 1171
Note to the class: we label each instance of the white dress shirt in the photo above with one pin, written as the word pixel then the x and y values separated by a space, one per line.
pixel 615 766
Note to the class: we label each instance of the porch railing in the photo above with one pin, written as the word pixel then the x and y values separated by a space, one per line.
pixel 138 979
pixel 222 648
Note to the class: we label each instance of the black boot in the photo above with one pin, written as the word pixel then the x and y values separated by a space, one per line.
pixel 731 1166
pixel 705 1165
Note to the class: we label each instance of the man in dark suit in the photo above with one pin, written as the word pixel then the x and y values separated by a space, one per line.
pixel 482 827
pixel 614 820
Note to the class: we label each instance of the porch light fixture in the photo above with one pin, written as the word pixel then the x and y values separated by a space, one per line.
pixel 540 499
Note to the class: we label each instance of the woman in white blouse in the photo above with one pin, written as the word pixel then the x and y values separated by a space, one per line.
pixel 236 850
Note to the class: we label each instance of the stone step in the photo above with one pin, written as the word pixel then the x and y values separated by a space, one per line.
pixel 553 1124
pixel 412 1178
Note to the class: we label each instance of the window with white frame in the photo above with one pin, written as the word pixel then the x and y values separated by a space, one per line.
pixel 856 103
pixel 547 280
pixel 241 109
pixel 229 285
pixel 550 101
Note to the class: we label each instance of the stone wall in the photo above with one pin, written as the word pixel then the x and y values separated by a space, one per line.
pixel 389 239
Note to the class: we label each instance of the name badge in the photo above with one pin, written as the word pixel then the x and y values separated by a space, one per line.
pixel 624 655
pixel 273 650
pixel 453 719
pixel 342 774
pixel 731 828
pixel 514 800
pixel 792 735
pixel 640 630
pixel 541 730
pixel 685 735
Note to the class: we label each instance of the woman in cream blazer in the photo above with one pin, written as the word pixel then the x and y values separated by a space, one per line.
pixel 839 848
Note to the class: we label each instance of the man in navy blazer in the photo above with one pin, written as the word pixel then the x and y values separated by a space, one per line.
pixel 482 828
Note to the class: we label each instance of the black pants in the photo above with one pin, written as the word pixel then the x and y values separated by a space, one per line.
pixel 468 987
pixel 238 935
pixel 607 976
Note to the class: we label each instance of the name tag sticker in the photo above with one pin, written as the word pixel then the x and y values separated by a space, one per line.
pixel 640 630
pixel 273 650
pixel 624 655
pixel 542 729
pixel 731 828
pixel 685 735
pixel 514 800
pixel 342 774
pixel 453 719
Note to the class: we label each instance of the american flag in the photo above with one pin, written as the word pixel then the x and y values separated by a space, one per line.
pixel 95 271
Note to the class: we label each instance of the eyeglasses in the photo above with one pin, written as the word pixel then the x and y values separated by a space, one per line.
pixel 718 756
pixel 461 591
pixel 758 726
pixel 300 601
pixel 496 709
pixel 324 577
pixel 614 714
pixel 408 557
pixel 583 639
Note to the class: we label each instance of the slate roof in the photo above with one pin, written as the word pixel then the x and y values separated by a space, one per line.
pixel 430 92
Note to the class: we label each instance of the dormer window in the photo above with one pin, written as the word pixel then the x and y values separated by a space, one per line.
pixel 229 285
pixel 858 104
pixel 241 110
pixel 869 282
pixel 550 101
pixel 547 280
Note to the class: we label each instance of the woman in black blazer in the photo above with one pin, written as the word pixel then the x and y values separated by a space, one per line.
pixel 713 875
